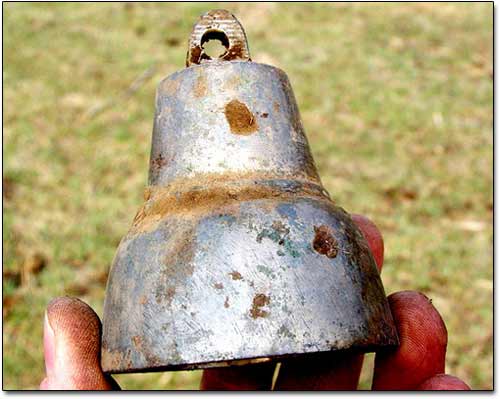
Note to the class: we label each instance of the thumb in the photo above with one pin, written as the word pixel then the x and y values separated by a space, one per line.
pixel 72 347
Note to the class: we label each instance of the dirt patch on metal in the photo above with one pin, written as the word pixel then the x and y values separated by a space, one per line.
pixel 259 301
pixel 241 120
pixel 159 162
pixel 200 88
pixel 212 192
pixel 170 87
pixel 236 275
pixel 236 51
pixel 195 57
pixel 177 265
pixel 137 341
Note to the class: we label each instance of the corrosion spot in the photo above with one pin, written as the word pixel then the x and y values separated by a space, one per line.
pixel 171 87
pixel 195 55
pixel 137 341
pixel 276 106
pixel 159 162
pixel 169 295
pixel 232 83
pixel 285 332
pixel 259 301
pixel 218 286
pixel 265 115
pixel 234 52
pixel 280 227
pixel 324 242
pixel 241 120
pixel 143 300
pixel 226 302
pixel 200 87
pixel 236 275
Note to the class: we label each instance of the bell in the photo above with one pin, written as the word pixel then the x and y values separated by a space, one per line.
pixel 238 255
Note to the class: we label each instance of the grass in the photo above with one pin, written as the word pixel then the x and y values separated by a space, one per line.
pixel 396 100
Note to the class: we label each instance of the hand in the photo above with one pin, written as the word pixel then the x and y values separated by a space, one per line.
pixel 72 345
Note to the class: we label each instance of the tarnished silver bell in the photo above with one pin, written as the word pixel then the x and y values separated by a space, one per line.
pixel 238 254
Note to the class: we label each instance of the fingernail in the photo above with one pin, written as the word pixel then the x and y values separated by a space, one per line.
pixel 49 346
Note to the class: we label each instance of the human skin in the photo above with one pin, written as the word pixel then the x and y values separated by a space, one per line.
pixel 72 347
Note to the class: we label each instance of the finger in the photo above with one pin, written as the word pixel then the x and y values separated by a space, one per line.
pixel 443 382
pixel 325 371
pixel 72 347
pixel 423 339
pixel 244 378
pixel 373 237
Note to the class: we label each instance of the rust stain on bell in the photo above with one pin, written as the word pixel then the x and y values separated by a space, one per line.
pixel 200 89
pixel 240 119
pixel 324 242
pixel 235 275
pixel 259 301
pixel 237 255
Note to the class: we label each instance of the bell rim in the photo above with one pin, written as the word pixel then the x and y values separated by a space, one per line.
pixel 259 359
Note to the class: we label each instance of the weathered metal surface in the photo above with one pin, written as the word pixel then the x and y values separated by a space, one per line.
pixel 238 254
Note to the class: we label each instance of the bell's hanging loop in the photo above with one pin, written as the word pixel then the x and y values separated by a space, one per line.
pixel 218 25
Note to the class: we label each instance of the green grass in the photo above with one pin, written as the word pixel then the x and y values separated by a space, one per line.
pixel 396 100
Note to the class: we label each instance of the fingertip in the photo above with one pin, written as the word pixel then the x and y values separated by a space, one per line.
pixel 414 313
pixel 77 340
pixel 75 326
pixel 423 339
pixel 373 236
pixel 443 382
pixel 70 310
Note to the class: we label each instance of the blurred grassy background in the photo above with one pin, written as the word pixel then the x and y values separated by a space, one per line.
pixel 396 100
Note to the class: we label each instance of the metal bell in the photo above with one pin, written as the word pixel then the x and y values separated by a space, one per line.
pixel 238 254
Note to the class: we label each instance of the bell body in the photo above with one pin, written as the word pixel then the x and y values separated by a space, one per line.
pixel 238 254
